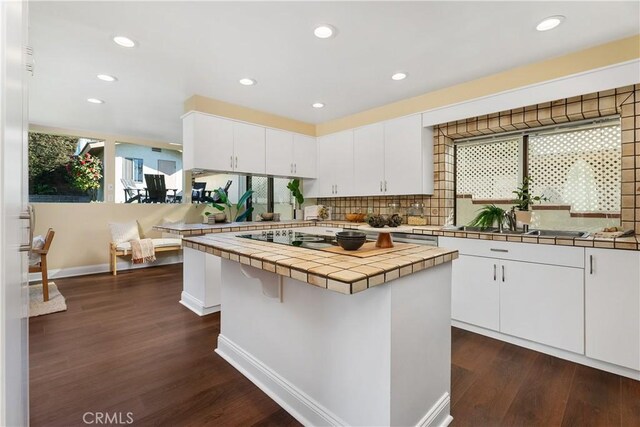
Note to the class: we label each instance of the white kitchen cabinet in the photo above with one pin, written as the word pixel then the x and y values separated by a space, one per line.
pixel 207 142
pixel 543 303
pixel 279 152
pixel 408 156
pixel 248 148
pixel 305 155
pixel 475 291
pixel 612 306
pixel 368 160
pixel 335 165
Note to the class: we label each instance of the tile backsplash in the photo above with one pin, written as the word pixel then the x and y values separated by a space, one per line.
pixel 439 207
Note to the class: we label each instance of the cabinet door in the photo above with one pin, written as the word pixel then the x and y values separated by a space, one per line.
pixel 248 148
pixel 404 155
pixel 612 305
pixel 335 165
pixel 475 291
pixel 279 152
pixel 305 156
pixel 212 142
pixel 368 160
pixel 543 303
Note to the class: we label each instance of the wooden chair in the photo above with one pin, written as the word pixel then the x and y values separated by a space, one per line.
pixel 131 192
pixel 157 189
pixel 41 267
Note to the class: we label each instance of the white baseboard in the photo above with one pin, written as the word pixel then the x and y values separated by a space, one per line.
pixel 197 306
pixel 55 273
pixel 562 354
pixel 302 407
pixel 439 415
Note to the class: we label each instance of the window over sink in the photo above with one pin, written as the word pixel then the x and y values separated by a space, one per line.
pixel 576 166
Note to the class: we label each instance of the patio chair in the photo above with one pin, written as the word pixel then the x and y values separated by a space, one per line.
pixel 39 263
pixel 199 193
pixel 157 189
pixel 131 191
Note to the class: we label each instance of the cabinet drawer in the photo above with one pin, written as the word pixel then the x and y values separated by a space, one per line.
pixel 527 252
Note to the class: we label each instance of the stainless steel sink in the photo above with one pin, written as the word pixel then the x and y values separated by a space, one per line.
pixel 557 233
pixel 477 229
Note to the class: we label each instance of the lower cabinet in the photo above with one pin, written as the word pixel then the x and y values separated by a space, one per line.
pixel 612 305
pixel 475 291
pixel 538 302
pixel 543 303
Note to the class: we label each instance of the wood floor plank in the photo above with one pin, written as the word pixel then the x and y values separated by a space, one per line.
pixel 125 344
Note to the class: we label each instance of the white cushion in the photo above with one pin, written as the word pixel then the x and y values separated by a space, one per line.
pixel 157 243
pixel 37 243
pixel 124 231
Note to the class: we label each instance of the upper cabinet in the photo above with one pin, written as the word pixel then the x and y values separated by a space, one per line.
pixel 218 144
pixel 290 154
pixel 335 167
pixel 394 158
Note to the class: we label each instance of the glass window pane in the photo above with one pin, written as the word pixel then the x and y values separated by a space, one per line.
pixel 579 168
pixel 260 197
pixel 283 202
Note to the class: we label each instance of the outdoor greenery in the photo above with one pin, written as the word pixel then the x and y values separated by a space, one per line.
pixel 48 157
pixel 85 172
pixel 294 187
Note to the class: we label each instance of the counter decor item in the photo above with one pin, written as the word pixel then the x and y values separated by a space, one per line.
pixel 351 240
pixel 524 199
pixel 377 221
pixel 488 216
pixel 394 220
pixel 294 187
pixel 316 213
pixel 355 217
pixel 415 215
pixel 394 208
pixel 612 233
pixel 266 216
pixel 241 213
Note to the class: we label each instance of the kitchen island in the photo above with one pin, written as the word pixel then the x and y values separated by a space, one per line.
pixel 337 339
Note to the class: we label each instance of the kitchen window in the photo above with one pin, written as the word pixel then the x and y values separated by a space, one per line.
pixel 576 166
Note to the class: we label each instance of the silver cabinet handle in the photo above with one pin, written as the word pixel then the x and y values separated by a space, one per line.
pixel 291 168
pixel 231 162
pixel 336 188
pixel 295 168
pixel 498 250
pixel 495 268
pixel 385 185
pixel 381 186
pixel 590 264
pixel 236 161
pixel 503 273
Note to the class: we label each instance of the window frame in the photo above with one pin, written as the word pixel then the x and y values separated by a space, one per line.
pixel 134 161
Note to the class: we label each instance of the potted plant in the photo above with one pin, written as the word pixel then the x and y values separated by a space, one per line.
pixel 488 216
pixel 524 199
pixel 294 187
pixel 237 211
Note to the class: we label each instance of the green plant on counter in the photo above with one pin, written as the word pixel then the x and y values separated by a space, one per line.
pixel 294 187
pixel 241 213
pixel 524 199
pixel 487 216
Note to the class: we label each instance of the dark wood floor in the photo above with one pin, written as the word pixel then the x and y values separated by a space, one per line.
pixel 126 345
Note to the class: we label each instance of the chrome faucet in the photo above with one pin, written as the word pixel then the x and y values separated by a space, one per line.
pixel 510 217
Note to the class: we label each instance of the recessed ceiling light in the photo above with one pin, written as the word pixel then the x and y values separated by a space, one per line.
pixel 317 105
pixel 324 31
pixel 124 41
pixel 247 82
pixel 106 78
pixel 95 101
pixel 399 76
pixel 550 23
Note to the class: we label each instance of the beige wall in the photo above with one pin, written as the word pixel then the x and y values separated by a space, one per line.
pixel 82 233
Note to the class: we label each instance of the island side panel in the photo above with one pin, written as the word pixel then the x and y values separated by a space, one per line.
pixel 201 282
pixel 334 348
pixel 421 348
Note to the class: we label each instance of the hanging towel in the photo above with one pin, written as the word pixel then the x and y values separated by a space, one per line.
pixel 142 250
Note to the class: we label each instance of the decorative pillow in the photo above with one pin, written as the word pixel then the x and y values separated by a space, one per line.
pixel 37 243
pixel 124 231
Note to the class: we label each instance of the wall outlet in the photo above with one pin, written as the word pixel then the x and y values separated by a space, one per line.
pixel 110 187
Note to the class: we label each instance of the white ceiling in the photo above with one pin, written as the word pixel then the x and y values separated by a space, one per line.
pixel 188 48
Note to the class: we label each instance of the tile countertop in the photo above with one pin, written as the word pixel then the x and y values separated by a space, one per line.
pixel 341 273
pixel 629 242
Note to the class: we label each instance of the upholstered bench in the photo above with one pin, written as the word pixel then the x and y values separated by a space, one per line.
pixel 123 233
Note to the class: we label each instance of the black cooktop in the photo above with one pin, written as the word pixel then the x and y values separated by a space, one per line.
pixel 294 238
